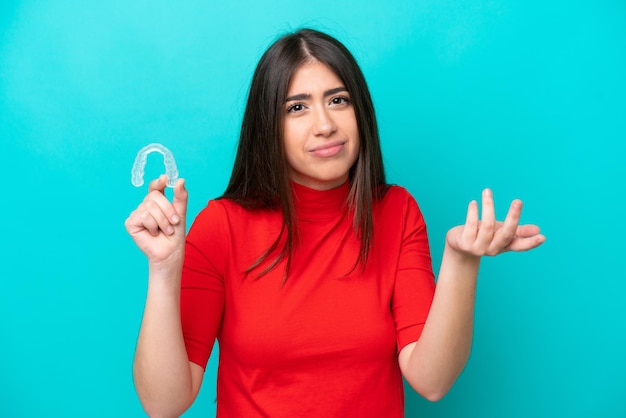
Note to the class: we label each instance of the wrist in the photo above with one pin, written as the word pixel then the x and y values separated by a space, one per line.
pixel 165 274
pixel 460 257
pixel 458 268
pixel 166 265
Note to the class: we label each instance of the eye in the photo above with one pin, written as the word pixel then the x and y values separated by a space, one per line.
pixel 340 100
pixel 298 107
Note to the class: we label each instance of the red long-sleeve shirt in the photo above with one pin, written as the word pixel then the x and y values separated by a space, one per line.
pixel 321 344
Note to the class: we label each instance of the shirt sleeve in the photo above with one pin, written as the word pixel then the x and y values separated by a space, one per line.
pixel 414 286
pixel 202 286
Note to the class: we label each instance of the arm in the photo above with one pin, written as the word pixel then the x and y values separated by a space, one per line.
pixel 165 380
pixel 432 364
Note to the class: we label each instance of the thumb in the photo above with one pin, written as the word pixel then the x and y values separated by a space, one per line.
pixel 180 199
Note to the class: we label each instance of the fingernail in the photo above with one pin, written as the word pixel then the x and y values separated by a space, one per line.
pixel 169 230
pixel 175 219
pixel 487 192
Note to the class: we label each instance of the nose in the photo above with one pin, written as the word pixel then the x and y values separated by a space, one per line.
pixel 324 125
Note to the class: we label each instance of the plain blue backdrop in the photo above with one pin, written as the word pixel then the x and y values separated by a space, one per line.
pixel 524 97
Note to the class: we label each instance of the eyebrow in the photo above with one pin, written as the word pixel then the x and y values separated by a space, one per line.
pixel 306 96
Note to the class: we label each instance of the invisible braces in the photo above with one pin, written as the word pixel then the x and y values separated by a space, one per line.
pixel 142 158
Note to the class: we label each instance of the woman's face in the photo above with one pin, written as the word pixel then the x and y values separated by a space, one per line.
pixel 320 131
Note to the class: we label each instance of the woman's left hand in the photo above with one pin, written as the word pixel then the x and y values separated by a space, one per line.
pixel 491 237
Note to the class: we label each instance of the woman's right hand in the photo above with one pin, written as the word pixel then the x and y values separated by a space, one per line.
pixel 158 226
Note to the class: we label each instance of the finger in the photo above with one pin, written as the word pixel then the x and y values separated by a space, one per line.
pixel 487 223
pixel 470 229
pixel 157 209
pixel 525 244
pixel 180 200
pixel 133 223
pixel 158 184
pixel 149 223
pixel 139 221
pixel 171 215
pixel 506 231
pixel 527 230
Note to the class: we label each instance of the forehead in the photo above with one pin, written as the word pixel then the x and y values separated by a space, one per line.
pixel 311 76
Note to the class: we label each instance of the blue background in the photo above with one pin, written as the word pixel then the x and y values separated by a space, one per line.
pixel 527 98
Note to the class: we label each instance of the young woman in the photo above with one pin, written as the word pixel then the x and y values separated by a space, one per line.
pixel 311 272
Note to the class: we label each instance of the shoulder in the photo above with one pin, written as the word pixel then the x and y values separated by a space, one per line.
pixel 215 215
pixel 224 215
pixel 397 192
pixel 221 209
pixel 398 206
pixel 399 197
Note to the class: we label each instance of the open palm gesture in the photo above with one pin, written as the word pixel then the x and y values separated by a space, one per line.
pixel 490 237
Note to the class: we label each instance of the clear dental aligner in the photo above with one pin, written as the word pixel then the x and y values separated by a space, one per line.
pixel 142 158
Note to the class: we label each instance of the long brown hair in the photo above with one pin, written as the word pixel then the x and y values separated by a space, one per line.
pixel 260 176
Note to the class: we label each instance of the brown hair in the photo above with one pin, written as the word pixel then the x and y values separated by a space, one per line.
pixel 260 174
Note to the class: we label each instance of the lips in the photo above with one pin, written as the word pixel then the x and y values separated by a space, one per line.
pixel 328 150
